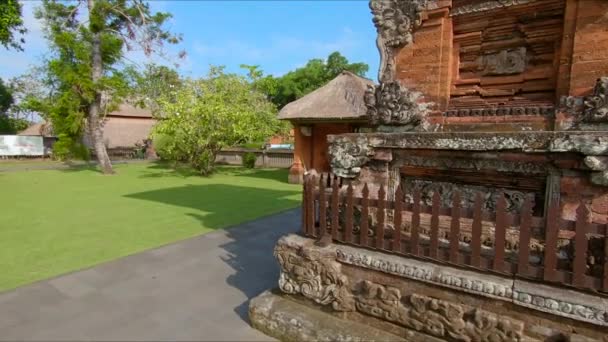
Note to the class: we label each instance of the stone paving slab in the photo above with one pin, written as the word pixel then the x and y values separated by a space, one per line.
pixel 193 290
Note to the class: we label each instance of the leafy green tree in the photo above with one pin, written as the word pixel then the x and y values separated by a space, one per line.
pixel 315 74
pixel 85 51
pixel 6 98
pixel 8 123
pixel 151 83
pixel 205 115
pixel 11 22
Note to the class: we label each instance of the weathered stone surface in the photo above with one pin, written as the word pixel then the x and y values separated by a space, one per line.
pixel 561 302
pixel 600 178
pixel 505 62
pixel 484 6
pixel 587 143
pixel 390 103
pixel 347 158
pixel 287 320
pixel 395 21
pixel 313 273
pixel 557 301
pixel 596 163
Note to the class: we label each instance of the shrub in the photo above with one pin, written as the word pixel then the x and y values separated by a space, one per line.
pixel 249 159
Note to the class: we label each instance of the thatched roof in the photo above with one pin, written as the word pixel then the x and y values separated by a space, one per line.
pixel 340 99
pixel 43 128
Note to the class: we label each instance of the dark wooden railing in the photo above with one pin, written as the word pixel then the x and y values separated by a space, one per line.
pixel 549 249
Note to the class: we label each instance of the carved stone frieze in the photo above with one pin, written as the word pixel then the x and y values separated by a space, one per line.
pixel 486 6
pixel 412 269
pixel 501 111
pixel 315 273
pixel 515 199
pixel 395 21
pixel 471 164
pixel 312 274
pixel 391 103
pixel 565 303
pixel 505 62
pixel 435 317
pixel 347 157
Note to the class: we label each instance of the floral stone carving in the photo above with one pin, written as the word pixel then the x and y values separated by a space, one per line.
pixel 347 156
pixel 313 275
pixel 435 317
pixel 395 21
pixel 391 103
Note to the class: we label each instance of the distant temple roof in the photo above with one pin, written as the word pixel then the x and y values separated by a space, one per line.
pixel 42 128
pixel 341 98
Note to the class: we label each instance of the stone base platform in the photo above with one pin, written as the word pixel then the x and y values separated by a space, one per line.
pixel 288 319
pixel 346 293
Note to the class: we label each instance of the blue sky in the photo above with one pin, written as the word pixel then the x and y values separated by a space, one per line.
pixel 277 35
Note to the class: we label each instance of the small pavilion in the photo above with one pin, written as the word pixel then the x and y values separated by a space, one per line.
pixel 335 108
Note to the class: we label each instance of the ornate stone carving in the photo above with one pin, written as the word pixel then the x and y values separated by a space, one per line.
pixel 596 105
pixel 433 316
pixel 425 272
pixel 486 6
pixel 308 272
pixel 501 111
pixel 395 21
pixel 347 156
pixel 562 306
pixel 506 62
pixel 315 273
pixel 391 103
pixel 515 199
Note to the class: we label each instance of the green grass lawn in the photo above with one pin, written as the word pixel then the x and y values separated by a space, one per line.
pixel 56 221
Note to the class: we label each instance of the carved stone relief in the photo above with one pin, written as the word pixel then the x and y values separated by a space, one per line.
pixel 348 156
pixel 391 103
pixel 435 317
pixel 486 6
pixel 515 199
pixel 302 263
pixel 506 62
pixel 313 275
pixel 395 21
pixel 596 105
pixel 589 109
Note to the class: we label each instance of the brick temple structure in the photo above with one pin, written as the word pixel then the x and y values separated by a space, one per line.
pixel 476 209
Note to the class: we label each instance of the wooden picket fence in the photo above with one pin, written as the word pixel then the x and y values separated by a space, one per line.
pixel 330 202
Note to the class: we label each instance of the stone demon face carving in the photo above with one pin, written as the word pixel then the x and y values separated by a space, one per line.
pixel 396 19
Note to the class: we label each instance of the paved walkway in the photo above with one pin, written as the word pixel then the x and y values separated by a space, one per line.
pixel 197 289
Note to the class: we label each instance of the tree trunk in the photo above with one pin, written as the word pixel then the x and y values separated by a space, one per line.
pixel 94 121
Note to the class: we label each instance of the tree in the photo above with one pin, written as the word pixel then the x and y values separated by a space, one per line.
pixel 312 76
pixel 11 22
pixel 151 83
pixel 205 115
pixel 6 98
pixel 8 123
pixel 86 48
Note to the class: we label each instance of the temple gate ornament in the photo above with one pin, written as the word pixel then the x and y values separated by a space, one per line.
pixel 395 21
pixel 392 104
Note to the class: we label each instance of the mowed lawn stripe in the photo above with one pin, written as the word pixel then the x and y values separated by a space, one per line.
pixel 57 221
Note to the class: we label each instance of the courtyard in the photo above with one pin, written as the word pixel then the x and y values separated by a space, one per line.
pixel 59 221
